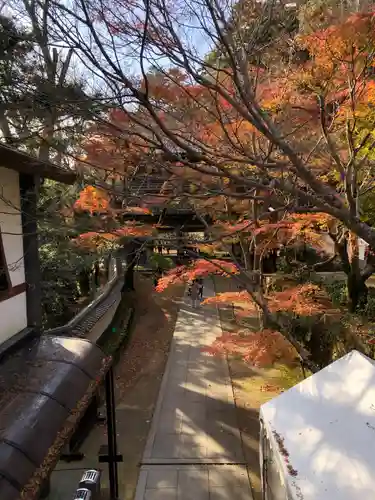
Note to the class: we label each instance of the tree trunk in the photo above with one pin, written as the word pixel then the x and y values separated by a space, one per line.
pixel 129 278
pixel 347 247
pixel 357 289
pixel 131 260
pixel 357 292
pixel 84 282
pixel 246 255
pixel 269 322
pixel 320 346
pixel 107 264
pixel 97 274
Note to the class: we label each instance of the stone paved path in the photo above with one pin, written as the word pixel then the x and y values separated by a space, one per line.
pixel 194 449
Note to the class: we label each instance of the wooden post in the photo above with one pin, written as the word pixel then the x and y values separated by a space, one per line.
pixel 29 197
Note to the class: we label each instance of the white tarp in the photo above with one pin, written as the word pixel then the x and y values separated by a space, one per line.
pixel 326 425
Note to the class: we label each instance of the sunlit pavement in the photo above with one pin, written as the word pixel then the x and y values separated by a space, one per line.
pixel 194 449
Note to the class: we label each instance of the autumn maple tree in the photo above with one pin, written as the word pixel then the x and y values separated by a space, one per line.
pixel 262 348
pixel 263 125
pixel 296 130
pixel 201 268
pixel 109 232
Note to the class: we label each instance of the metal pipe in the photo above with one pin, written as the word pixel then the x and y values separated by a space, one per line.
pixel 111 434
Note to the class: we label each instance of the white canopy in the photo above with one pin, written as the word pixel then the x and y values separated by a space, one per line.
pixel 326 424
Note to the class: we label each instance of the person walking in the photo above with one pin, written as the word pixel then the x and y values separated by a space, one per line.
pixel 200 293
pixel 194 293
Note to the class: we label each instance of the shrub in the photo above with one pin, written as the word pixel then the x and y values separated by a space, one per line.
pixel 160 261
pixel 318 334
pixel 369 309
pixel 337 290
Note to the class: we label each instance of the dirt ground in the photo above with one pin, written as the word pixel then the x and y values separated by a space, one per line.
pixel 139 373
pixel 252 387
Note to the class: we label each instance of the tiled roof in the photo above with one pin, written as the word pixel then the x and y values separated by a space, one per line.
pixel 24 163
pixel 83 327
pixel 47 376
pixel 52 374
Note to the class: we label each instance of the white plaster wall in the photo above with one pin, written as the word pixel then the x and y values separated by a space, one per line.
pixel 362 248
pixel 11 225
pixel 13 315
pixel 111 269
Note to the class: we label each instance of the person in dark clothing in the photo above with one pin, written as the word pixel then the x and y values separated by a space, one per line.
pixel 200 290
pixel 194 293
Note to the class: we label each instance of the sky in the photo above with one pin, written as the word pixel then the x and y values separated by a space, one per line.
pixel 194 34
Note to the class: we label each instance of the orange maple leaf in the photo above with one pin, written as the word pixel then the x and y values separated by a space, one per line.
pixel 199 268
pixel 133 229
pixel 303 300
pixel 91 240
pixel 92 199
pixel 137 210
pixel 261 349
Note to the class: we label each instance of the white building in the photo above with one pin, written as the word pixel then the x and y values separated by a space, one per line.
pixel 362 249
pixel 20 306
pixel 318 438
